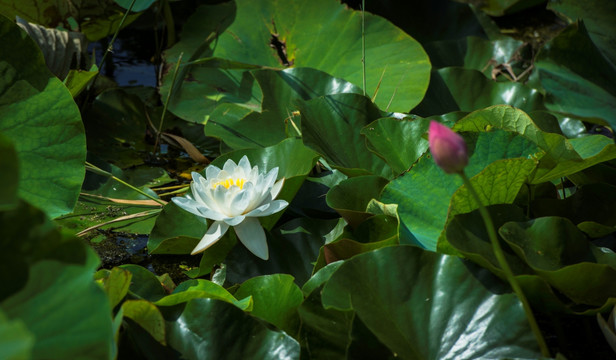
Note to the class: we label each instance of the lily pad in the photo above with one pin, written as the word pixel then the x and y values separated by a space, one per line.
pixel 276 299
pixel 577 78
pixel 215 329
pixel 291 28
pixel 423 194
pixel 331 125
pixel 39 116
pixel 282 92
pixel 399 141
pixel 442 289
pixel 64 309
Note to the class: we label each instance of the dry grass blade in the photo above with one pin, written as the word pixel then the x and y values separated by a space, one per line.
pixel 190 149
pixel 121 218
pixel 128 202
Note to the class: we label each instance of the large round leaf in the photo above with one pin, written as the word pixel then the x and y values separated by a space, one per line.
pixel 423 194
pixel 282 91
pixel 67 312
pixel 39 115
pixel 335 47
pixel 423 305
pixel 331 125
pixel 209 328
pixel 576 77
pixel 276 299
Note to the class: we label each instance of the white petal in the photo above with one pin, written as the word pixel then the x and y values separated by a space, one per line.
pixel 197 191
pixel 197 208
pixel 211 172
pixel 244 164
pixel 276 188
pixel 213 234
pixel 240 201
pixel 229 166
pixel 196 176
pixel 268 209
pixel 270 178
pixel 251 234
pixel 234 221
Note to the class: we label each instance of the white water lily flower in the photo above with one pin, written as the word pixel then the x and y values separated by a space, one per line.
pixel 234 196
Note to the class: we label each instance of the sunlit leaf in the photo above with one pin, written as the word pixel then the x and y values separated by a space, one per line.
pixel 215 329
pixel 276 298
pixel 40 117
pixel 429 306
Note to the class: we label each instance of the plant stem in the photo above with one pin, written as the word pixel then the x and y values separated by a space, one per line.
pixel 500 257
pixel 95 169
pixel 166 104
pixel 363 42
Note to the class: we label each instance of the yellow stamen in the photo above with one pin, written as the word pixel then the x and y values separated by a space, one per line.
pixel 230 182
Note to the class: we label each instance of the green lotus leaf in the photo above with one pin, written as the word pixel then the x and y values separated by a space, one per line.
pixel 399 141
pixel 17 342
pixel 562 156
pixel 598 16
pixel 215 329
pixel 560 253
pixel 442 289
pixel 423 194
pixel 276 298
pixel 456 88
pixel 138 6
pixel 331 125
pixel 293 246
pixel 499 183
pixel 350 197
pixel 326 333
pixel 290 26
pixel 176 231
pixel 22 249
pixel 147 316
pixel 591 203
pixel 282 91
pixel 530 251
pixel 116 283
pixel 65 310
pixel 144 285
pixel 199 288
pixel 576 77
pixel 38 114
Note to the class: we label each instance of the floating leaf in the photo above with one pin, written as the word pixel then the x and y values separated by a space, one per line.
pixel 423 194
pixel 577 78
pixel 276 298
pixel 442 291
pixel 290 27
pixel 399 141
pixel 215 329
pixel 147 316
pixel 68 313
pixel 39 115
pixel 331 126
pixel 350 197
pixel 282 92
pixel 198 289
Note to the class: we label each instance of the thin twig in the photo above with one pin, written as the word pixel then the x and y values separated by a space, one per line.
pixel 162 117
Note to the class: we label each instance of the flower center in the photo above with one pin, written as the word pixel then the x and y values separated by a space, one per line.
pixel 230 182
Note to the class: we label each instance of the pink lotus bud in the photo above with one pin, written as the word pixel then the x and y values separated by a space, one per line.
pixel 448 148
